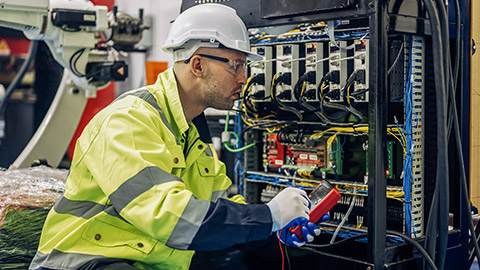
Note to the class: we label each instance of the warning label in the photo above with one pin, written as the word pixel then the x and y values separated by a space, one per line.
pixel 4 49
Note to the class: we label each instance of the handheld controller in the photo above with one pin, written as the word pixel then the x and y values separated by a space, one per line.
pixel 323 198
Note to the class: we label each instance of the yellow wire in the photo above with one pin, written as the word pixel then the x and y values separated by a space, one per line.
pixel 348 94
pixel 350 130
pixel 245 121
pixel 303 89
pixel 271 130
pixel 404 150
pixel 331 139
pixel 273 82
pixel 243 106
pixel 391 194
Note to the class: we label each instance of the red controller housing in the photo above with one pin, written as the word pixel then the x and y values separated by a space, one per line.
pixel 323 198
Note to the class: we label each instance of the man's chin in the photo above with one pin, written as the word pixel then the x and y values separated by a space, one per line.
pixel 224 107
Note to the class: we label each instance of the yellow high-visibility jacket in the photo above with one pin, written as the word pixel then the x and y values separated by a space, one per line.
pixel 146 186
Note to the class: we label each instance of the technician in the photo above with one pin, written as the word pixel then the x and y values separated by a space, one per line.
pixel 146 188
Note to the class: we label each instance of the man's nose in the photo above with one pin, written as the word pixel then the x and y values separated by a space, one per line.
pixel 242 78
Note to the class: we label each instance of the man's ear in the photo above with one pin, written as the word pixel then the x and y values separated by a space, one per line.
pixel 197 66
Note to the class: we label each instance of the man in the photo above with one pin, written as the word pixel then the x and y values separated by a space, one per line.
pixel 146 188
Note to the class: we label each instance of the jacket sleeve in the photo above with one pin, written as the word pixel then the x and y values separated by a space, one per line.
pixel 132 165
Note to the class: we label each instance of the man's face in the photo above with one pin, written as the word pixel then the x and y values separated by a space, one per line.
pixel 223 83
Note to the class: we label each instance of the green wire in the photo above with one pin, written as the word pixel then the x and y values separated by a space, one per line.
pixel 228 144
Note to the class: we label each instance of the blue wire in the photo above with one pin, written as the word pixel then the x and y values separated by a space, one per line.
pixel 336 174
pixel 340 146
pixel 239 168
pixel 407 165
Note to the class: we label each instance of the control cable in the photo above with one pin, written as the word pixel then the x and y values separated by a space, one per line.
pixel 439 226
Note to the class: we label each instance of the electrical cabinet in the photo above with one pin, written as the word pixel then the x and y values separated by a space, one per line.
pixel 351 94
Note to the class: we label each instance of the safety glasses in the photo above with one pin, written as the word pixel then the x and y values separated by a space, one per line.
pixel 236 67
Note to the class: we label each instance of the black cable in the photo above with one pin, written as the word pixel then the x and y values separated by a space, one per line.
pixel 309 77
pixel 407 239
pixel 260 79
pixel 265 125
pixel 32 52
pixel 464 180
pixel 471 248
pixel 323 103
pixel 350 81
pixel 444 203
pixel 442 146
pixel 336 244
pixel 329 77
pixel 453 119
pixel 286 79
pixel 416 245
pixel 288 257
pixel 463 177
pixel 431 241
pixel 73 62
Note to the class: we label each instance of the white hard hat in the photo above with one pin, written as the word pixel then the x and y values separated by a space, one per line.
pixel 208 25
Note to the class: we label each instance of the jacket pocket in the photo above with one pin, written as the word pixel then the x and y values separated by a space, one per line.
pixel 111 237
pixel 206 166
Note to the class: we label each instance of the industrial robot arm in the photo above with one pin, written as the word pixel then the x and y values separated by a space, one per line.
pixel 72 29
pixel 85 40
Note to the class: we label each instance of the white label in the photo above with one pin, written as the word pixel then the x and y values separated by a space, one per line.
pixel 313 157
pixel 278 162
pixel 89 17
pixel 303 156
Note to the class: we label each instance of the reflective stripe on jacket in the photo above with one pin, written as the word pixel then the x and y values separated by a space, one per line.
pixel 145 185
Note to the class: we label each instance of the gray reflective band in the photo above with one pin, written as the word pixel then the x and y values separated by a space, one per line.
pixel 150 99
pixel 208 151
pixel 138 184
pixel 218 195
pixel 113 212
pixel 84 209
pixel 188 224
pixel 62 260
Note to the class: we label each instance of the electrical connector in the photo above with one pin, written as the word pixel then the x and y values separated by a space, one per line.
pixel 259 79
pixel 225 137
pixel 285 78
pixel 287 94
pixel 334 95
pixel 259 95
pixel 333 77
pixel 310 94
pixel 311 76
pixel 360 77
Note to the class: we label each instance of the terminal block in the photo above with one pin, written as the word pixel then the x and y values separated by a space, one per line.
pixel 289 61
pixel 316 54
pixel 360 63
pixel 265 67
pixel 337 62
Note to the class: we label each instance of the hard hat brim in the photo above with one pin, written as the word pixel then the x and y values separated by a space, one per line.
pixel 253 56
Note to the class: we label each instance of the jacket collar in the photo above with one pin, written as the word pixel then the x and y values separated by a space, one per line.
pixel 167 81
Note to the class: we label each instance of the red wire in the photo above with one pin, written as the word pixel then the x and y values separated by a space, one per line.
pixel 281 251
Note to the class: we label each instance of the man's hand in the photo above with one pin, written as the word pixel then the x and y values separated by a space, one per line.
pixel 309 232
pixel 289 208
